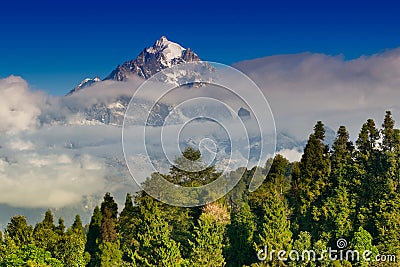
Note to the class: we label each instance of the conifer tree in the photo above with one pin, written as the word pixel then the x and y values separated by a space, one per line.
pixel 311 181
pixel 111 205
pixel 125 227
pixel 153 245
pixel 19 231
pixel 93 235
pixel 77 226
pixel 71 247
pixel 60 229
pixel 45 235
pixel 336 216
pixel 108 232
pixel 241 233
pixel 274 227
pixel 362 241
pixel 208 237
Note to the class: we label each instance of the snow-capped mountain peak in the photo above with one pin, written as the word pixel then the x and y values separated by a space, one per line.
pixel 163 54
pixel 167 50
pixel 85 83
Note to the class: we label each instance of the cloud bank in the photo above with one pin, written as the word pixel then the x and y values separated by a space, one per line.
pixel 303 88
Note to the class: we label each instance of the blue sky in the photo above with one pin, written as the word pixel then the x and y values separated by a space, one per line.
pixel 55 44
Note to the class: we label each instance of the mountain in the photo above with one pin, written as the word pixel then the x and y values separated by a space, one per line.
pixel 161 55
pixel 85 83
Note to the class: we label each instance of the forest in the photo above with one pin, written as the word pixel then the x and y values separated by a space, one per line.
pixel 347 192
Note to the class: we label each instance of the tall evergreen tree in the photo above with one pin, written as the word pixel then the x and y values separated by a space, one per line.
pixel 93 235
pixel 274 228
pixel 108 231
pixel 153 245
pixel 241 233
pixel 125 227
pixel 71 246
pixel 19 231
pixel 208 237
pixel 45 235
pixel 111 205
pixel 336 215
pixel 388 132
pixel 60 229
pixel 311 182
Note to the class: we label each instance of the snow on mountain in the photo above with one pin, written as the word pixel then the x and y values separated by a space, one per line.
pixel 85 83
pixel 161 55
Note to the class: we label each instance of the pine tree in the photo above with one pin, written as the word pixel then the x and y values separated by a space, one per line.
pixel 60 229
pixel 77 226
pixel 208 237
pixel 111 205
pixel 336 216
pixel 19 231
pixel 94 235
pixel 311 181
pixel 45 235
pixel 71 247
pixel 277 181
pixel 153 245
pixel 274 227
pixel 388 132
pixel 125 226
pixel 241 233
pixel 108 232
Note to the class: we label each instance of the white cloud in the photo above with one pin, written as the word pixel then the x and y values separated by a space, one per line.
pixel 19 107
pixel 291 154
pixel 21 145
pixel 49 181
pixel 304 88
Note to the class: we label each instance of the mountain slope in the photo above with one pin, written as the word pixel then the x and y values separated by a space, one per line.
pixel 85 83
pixel 161 55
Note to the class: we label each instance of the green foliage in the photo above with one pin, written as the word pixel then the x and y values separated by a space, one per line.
pixel 45 235
pixel 71 249
pixel 208 237
pixel 311 181
pixel 108 231
pixel 362 241
pixel 93 235
pixel 77 226
pixel 110 204
pixel 19 231
pixel 31 256
pixel 241 233
pixel 274 227
pixel 153 245
pixel 109 254
pixel 302 243
pixel 60 229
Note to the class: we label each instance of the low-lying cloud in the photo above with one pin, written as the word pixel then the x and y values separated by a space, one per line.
pixel 303 88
